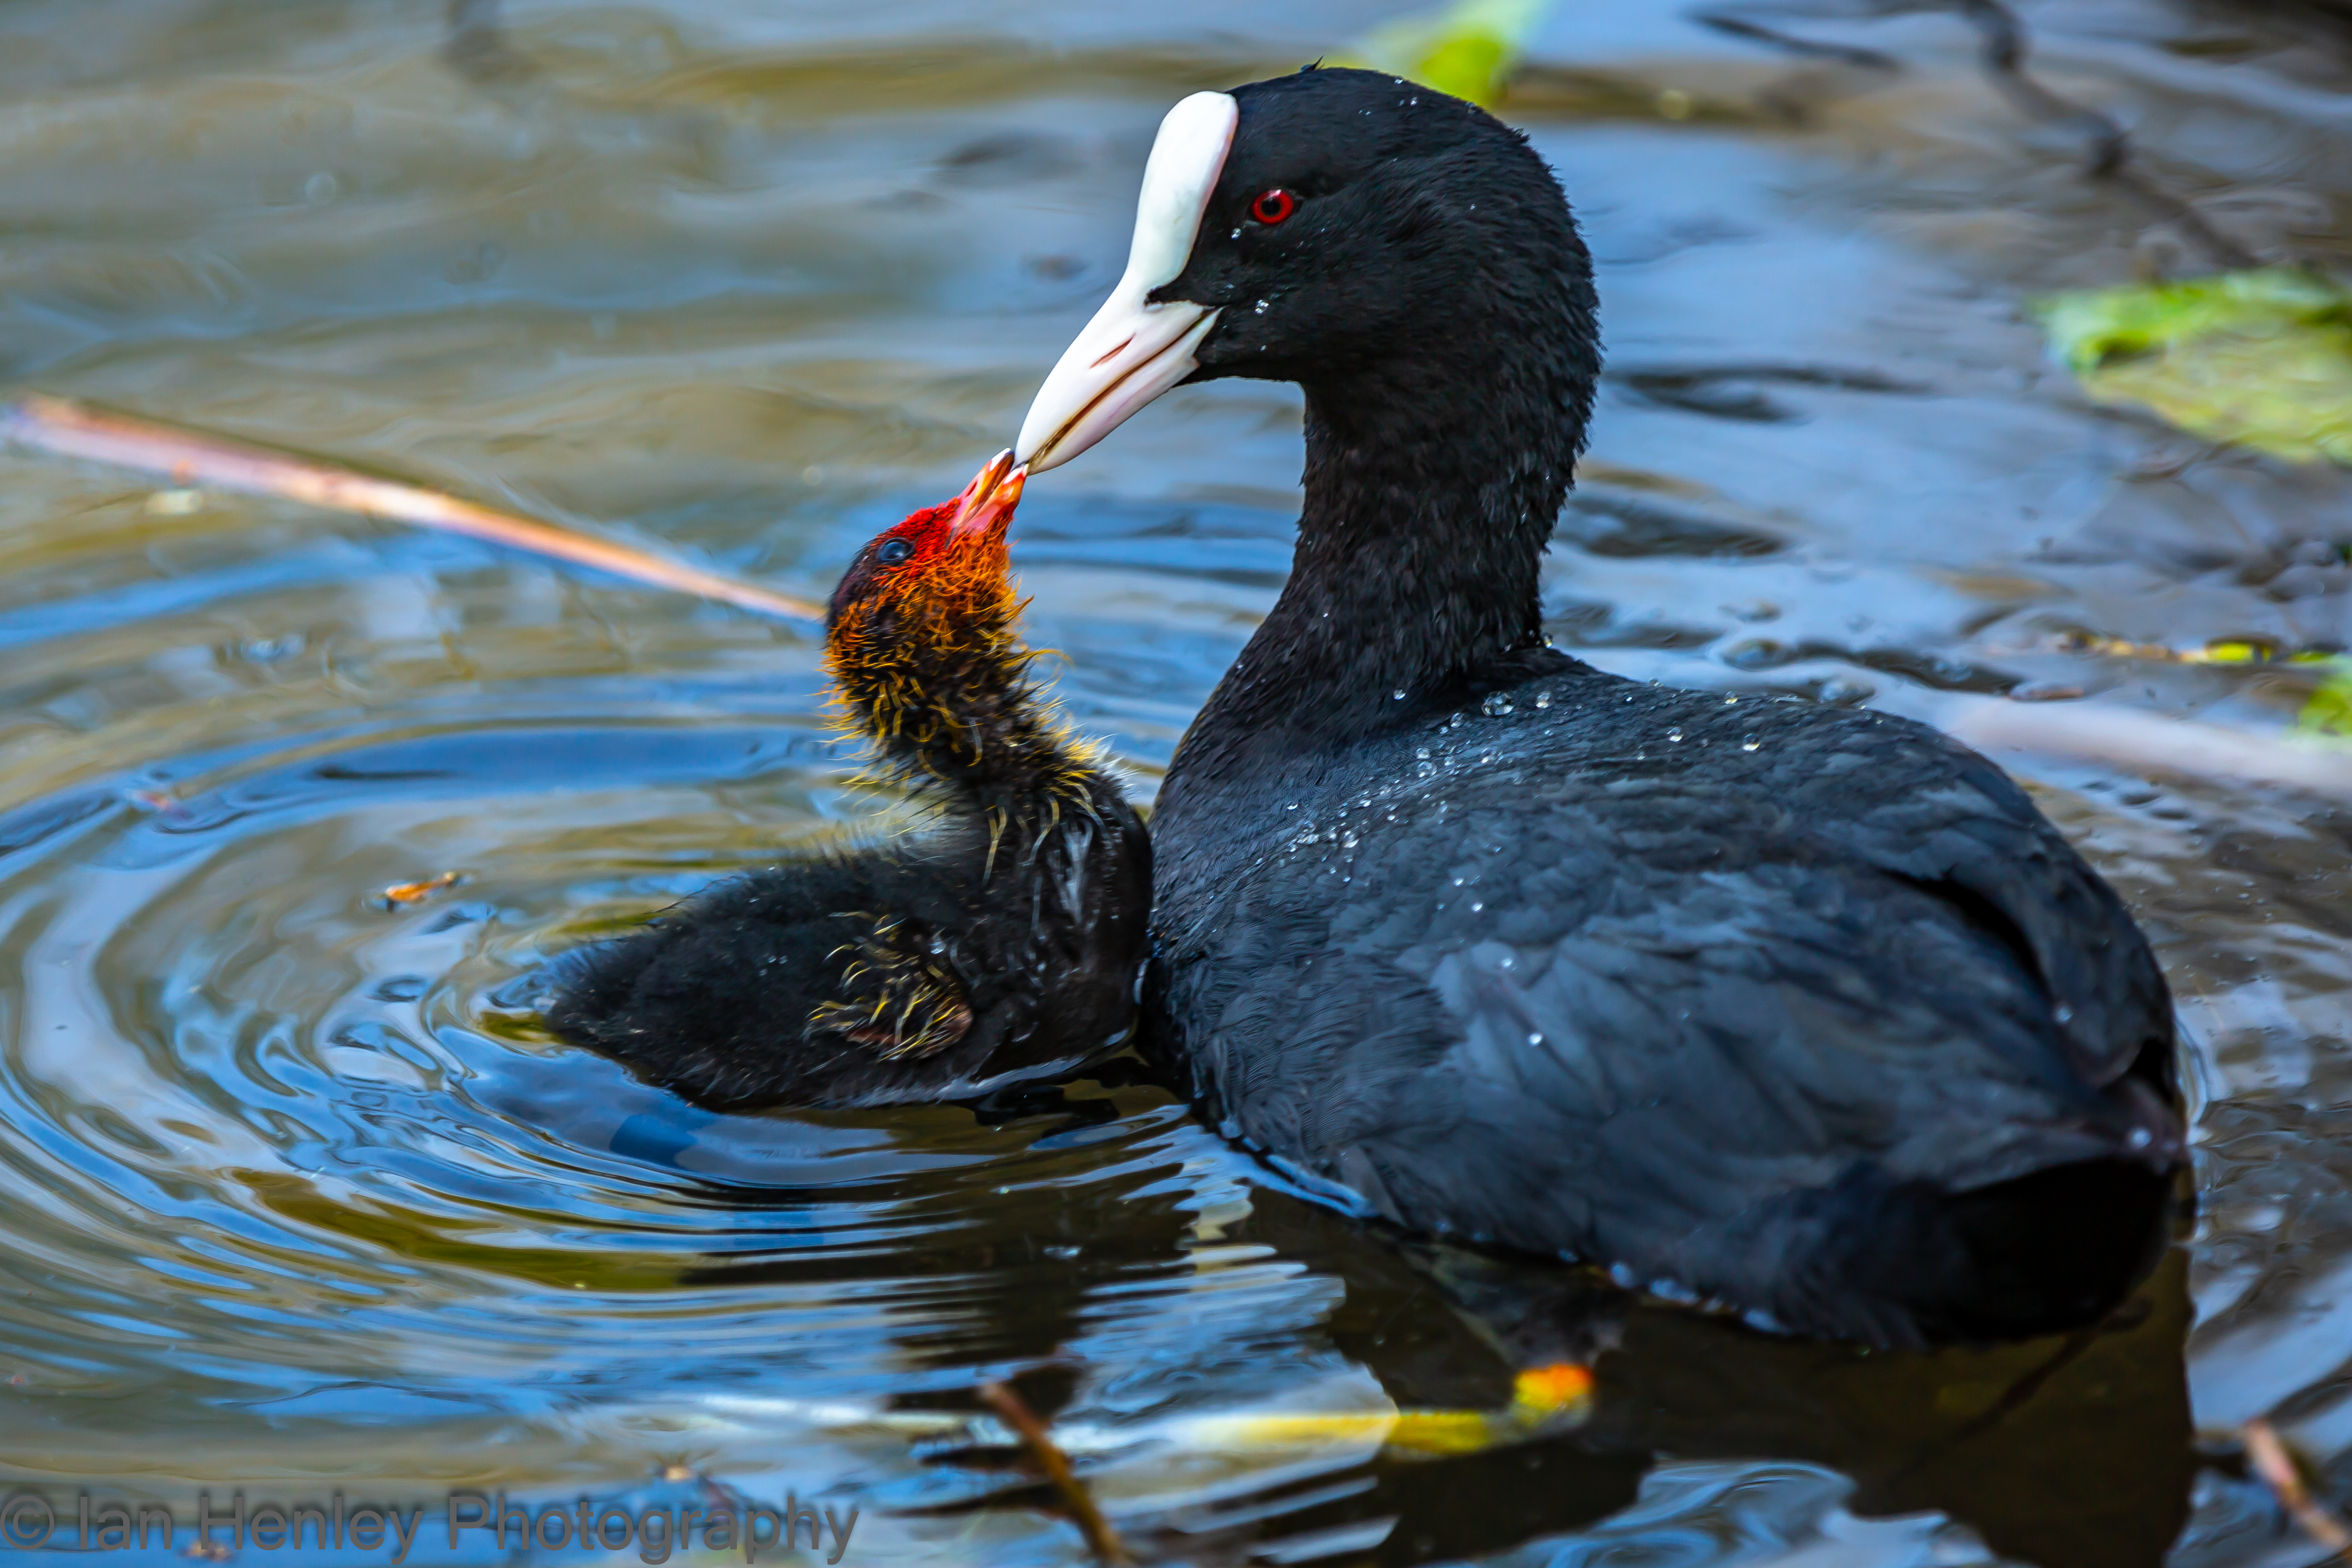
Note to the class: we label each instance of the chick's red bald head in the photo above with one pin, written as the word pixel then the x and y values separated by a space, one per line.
pixel 936 576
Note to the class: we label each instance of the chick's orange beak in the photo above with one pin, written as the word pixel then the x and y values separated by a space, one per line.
pixel 987 503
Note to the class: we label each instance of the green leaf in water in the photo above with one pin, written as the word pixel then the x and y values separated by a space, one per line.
pixel 1469 49
pixel 2329 711
pixel 2261 357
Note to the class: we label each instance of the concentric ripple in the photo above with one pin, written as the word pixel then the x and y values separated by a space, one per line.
pixel 292 1163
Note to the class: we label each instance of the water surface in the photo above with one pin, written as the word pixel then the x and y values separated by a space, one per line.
pixel 299 1198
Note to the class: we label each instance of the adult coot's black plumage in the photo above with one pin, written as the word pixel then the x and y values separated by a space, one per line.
pixel 1802 1010
pixel 1003 945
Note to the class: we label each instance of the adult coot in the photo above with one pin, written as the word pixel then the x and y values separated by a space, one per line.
pixel 1804 1011
pixel 1002 946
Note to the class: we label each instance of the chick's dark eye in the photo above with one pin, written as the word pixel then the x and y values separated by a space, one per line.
pixel 1272 206
pixel 893 551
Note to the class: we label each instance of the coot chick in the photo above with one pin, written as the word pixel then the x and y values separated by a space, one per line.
pixel 1805 1010
pixel 1000 946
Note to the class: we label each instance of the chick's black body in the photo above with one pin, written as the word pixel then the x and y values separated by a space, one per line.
pixel 716 998
pixel 1002 944
pixel 1807 1011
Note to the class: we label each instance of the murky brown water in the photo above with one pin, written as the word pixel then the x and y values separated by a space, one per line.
pixel 297 1198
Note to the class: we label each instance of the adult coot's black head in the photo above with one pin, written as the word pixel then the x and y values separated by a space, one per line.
pixel 1410 262
pixel 1401 254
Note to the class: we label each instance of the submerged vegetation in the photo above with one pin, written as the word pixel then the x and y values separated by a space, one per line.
pixel 2262 358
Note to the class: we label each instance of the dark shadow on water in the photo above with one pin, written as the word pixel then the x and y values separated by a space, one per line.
pixel 1020 1263
pixel 2065 1453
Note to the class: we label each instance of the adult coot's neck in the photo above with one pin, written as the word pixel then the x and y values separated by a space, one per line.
pixel 1433 481
pixel 1420 546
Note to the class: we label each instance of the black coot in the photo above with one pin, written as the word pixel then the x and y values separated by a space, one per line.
pixel 1805 1010
pixel 1003 945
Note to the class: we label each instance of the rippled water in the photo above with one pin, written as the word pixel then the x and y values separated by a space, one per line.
pixel 298 1198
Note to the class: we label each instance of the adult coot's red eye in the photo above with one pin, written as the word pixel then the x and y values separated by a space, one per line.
pixel 1272 206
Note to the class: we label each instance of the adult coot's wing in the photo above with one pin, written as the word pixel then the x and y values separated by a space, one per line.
pixel 1654 1015
pixel 1968 833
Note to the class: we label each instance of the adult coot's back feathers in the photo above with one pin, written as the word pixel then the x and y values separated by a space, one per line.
pixel 1565 985
pixel 1002 944
pixel 1807 1011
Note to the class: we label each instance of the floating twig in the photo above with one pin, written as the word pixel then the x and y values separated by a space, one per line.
pixel 417 892
pixel 1543 1399
pixel 721 1493
pixel 2106 146
pixel 2002 47
pixel 475 46
pixel 1731 21
pixel 1015 1411
pixel 2267 1456
pixel 2230 652
pixel 73 429
pixel 2151 743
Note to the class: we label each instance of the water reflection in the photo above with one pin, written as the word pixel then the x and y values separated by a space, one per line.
pixel 2063 1450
